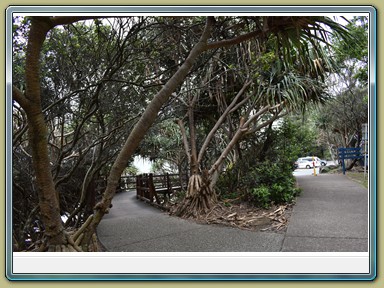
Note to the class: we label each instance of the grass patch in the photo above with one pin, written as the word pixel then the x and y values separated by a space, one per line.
pixel 358 177
pixel 330 169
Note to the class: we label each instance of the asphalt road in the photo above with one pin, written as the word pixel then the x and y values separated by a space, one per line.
pixel 304 171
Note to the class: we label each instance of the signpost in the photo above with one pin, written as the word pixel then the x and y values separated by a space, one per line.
pixel 349 153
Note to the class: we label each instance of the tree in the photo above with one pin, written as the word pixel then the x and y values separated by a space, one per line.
pixel 31 99
pixel 85 107
pixel 31 103
pixel 340 120
pixel 163 146
pixel 285 71
pixel 352 53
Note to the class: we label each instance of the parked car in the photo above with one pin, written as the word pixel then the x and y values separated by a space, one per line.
pixel 303 163
pixel 323 162
pixel 308 162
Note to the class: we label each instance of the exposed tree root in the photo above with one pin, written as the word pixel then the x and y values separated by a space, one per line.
pixel 73 241
pixel 199 200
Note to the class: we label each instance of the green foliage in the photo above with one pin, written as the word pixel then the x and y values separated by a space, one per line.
pixel 294 138
pixel 329 169
pixel 352 53
pixel 276 193
pixel 262 195
pixel 131 170
pixel 163 146
pixel 97 77
pixel 277 178
pixel 263 184
pixel 264 173
pixel 340 120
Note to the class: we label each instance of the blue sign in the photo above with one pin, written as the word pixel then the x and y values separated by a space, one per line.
pixel 349 153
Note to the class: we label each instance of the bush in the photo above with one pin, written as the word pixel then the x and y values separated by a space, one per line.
pixel 279 180
pixel 262 184
pixel 261 196
pixel 263 174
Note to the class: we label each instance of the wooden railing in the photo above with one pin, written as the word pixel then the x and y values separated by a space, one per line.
pixel 126 183
pixel 149 186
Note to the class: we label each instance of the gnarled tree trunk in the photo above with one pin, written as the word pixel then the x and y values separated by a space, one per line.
pixel 38 133
pixel 56 238
pixel 200 197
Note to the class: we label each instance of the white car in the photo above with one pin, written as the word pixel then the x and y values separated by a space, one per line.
pixel 307 162
pixel 303 163
pixel 323 162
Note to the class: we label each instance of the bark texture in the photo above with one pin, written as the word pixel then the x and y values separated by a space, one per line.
pixel 38 142
pixel 200 197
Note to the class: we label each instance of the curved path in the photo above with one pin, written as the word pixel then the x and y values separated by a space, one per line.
pixel 330 215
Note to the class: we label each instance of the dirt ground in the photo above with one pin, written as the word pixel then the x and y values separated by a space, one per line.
pixel 248 217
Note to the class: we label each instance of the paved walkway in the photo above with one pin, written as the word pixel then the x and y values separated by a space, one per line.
pixel 331 215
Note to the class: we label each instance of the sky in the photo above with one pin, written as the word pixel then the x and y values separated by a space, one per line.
pixel 142 164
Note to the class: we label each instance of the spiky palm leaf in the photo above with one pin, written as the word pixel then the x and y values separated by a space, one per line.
pixel 308 35
pixel 302 47
pixel 294 90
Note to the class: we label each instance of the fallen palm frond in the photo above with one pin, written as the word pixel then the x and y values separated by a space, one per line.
pixel 244 216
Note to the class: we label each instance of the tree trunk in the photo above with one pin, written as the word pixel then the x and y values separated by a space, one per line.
pixel 139 131
pixel 38 142
pixel 350 164
pixel 56 238
pixel 200 197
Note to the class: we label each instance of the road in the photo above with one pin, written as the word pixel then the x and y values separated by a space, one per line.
pixel 304 172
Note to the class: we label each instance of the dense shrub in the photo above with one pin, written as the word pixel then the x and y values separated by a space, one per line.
pixel 263 175
pixel 264 184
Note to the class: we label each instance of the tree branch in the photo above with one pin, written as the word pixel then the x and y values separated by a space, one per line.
pixel 262 111
pixel 266 123
pixel 147 118
pixel 253 117
pixel 233 41
pixel 221 120
pixel 19 97
pixel 185 140
pixel 63 20
pixel 239 133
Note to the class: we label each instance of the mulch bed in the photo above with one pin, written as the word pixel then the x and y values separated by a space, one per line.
pixel 245 216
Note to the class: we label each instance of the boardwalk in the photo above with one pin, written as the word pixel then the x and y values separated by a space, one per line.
pixel 331 215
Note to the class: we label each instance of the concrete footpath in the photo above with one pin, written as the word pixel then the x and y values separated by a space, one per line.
pixel 331 215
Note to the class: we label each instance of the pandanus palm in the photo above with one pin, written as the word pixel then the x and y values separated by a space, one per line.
pixel 290 79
